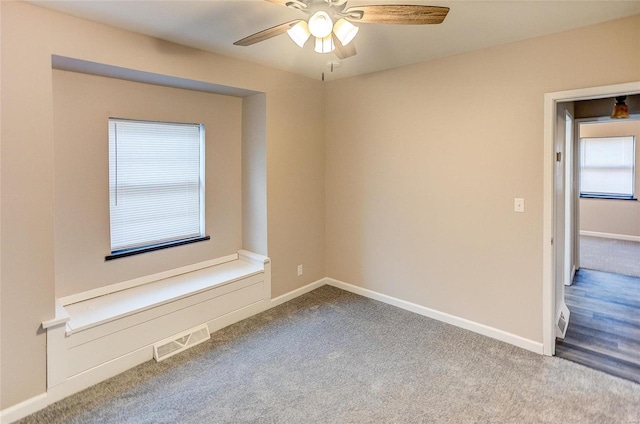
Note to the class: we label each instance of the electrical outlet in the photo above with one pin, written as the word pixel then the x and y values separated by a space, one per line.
pixel 299 270
pixel 518 205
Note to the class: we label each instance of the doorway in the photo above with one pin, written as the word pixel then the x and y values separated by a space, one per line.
pixel 609 222
pixel 595 342
pixel 555 223
pixel 604 300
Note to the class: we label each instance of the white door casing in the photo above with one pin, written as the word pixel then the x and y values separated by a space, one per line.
pixel 550 250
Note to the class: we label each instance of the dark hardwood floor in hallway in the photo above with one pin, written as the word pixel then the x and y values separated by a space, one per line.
pixel 604 326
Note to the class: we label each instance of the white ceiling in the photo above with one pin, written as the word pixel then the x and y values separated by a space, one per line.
pixel 470 25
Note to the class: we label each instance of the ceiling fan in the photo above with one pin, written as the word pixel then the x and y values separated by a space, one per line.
pixel 330 22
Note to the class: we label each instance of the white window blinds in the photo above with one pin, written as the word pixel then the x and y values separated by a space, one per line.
pixel 607 166
pixel 156 182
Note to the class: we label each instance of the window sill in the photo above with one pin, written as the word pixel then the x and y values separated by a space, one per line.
pixel 604 196
pixel 136 251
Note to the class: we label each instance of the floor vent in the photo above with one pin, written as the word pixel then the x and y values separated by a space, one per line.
pixel 180 342
pixel 562 322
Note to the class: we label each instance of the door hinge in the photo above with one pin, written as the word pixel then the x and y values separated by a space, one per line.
pixel 558 156
pixel 552 240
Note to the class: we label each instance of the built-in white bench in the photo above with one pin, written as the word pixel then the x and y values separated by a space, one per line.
pixel 100 334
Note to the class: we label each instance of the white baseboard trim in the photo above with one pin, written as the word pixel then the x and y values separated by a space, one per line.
pixel 297 292
pixel 610 235
pixel 24 408
pixel 485 330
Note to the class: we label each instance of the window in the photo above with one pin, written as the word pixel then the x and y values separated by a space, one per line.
pixel 607 167
pixel 156 185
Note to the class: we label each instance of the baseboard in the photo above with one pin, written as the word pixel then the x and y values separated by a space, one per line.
pixel 610 235
pixel 297 292
pixel 485 330
pixel 24 408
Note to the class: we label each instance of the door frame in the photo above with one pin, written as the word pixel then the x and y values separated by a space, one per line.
pixel 571 200
pixel 549 252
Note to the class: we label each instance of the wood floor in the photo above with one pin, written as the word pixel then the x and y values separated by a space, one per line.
pixel 604 326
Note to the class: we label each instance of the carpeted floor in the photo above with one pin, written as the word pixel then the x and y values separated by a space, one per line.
pixel 335 357
pixel 609 255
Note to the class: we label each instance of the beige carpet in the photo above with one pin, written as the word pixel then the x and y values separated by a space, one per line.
pixel 609 255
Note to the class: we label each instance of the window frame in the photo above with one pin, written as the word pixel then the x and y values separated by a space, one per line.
pixel 603 195
pixel 135 250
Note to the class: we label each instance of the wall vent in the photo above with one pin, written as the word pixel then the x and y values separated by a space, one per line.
pixel 180 342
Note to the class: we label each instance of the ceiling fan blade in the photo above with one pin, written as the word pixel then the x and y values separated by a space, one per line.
pixel 294 4
pixel 397 14
pixel 266 34
pixel 341 51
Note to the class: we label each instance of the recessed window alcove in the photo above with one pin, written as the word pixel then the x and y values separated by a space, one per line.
pixel 106 310
pixel 235 156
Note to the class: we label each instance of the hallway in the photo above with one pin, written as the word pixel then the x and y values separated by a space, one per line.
pixel 604 327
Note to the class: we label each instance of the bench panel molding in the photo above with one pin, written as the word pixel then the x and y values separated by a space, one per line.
pixel 86 346
pixel 147 332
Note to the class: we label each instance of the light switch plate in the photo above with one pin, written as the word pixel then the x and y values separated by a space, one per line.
pixel 518 204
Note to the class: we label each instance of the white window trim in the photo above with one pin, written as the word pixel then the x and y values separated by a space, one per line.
pixel 162 244
pixel 603 195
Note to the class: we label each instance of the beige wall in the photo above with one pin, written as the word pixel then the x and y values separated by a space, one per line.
pixel 254 174
pixel 424 163
pixel 295 168
pixel 609 215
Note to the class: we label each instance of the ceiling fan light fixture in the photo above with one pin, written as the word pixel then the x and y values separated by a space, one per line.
pixel 338 38
pixel 345 31
pixel 299 33
pixel 324 45
pixel 620 110
pixel 320 24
